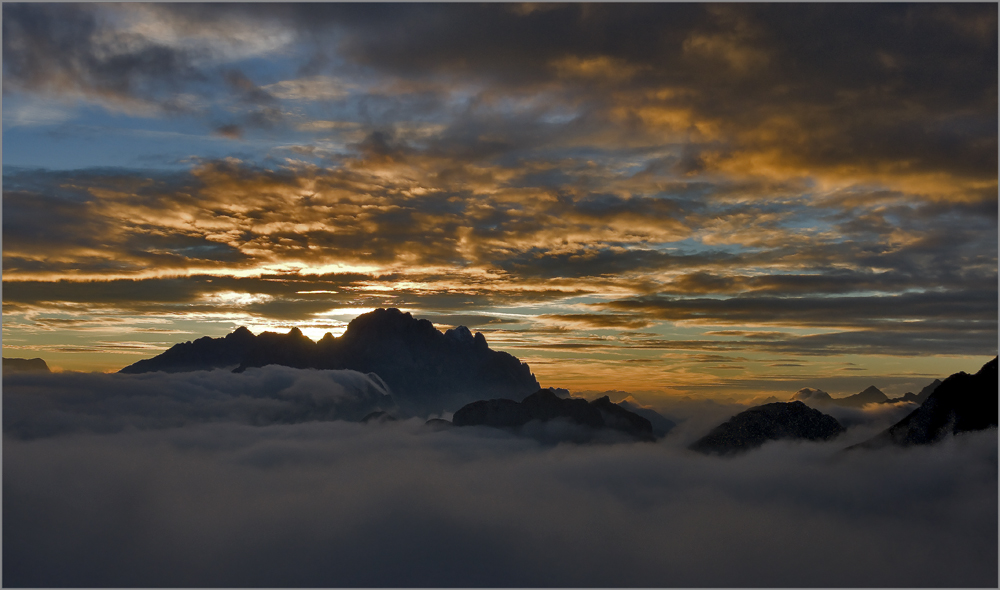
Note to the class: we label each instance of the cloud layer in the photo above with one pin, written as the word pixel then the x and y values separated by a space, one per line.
pixel 42 405
pixel 339 504
pixel 176 480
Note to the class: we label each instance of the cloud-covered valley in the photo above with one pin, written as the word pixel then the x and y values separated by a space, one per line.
pixel 176 480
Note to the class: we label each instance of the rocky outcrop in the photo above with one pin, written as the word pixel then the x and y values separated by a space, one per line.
pixel 545 406
pixel 961 403
pixel 756 426
pixel 427 371
pixel 16 365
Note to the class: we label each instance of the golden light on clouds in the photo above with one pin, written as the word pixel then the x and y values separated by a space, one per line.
pixel 680 179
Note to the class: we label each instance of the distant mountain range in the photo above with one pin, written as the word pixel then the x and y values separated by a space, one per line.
pixel 776 421
pixel 917 398
pixel 962 403
pixel 545 406
pixel 428 371
pixel 15 365
pixel 871 395
pixel 818 397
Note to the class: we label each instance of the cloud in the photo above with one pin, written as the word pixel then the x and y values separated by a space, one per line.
pixel 338 504
pixel 102 403
pixel 463 157
pixel 66 50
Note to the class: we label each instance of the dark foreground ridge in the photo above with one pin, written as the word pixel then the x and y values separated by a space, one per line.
pixel 14 365
pixel 544 406
pixel 758 425
pixel 428 372
pixel 961 403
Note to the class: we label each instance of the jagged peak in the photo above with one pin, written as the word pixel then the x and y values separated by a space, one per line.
pixel 460 334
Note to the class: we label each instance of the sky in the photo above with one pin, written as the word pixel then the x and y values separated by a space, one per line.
pixel 669 199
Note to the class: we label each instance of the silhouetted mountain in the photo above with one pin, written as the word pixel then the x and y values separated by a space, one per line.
pixel 15 365
pixel 961 403
pixel 917 398
pixel 820 398
pixel 661 424
pixel 427 371
pixel 812 396
pixel 780 420
pixel 872 395
pixel 203 354
pixel 544 406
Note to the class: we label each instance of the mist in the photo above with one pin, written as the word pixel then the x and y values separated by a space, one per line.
pixel 327 502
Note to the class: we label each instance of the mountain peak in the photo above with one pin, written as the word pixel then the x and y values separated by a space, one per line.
pixel 18 365
pixel 960 403
pixel 760 424
pixel 427 371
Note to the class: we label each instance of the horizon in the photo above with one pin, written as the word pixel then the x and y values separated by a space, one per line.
pixel 644 397
pixel 673 200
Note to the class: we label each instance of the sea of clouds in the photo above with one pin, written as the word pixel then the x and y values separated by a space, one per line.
pixel 260 479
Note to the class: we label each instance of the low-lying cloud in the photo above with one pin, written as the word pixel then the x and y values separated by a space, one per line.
pixel 335 503
pixel 40 405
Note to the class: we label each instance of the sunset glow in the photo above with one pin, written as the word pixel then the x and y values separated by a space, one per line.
pixel 664 199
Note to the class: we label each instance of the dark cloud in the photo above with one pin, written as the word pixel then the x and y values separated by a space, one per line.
pixel 875 85
pixel 60 48
pixel 232 131
pixel 600 321
pixel 881 311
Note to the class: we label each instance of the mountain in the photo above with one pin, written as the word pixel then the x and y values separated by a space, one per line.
pixel 544 406
pixel 813 396
pixel 781 420
pixel 961 403
pixel 872 395
pixel 820 398
pixel 15 365
pixel 427 371
pixel 917 398
pixel 661 424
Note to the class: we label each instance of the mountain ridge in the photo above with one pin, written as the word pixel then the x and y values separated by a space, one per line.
pixel 760 424
pixel 961 403
pixel 428 371
pixel 545 406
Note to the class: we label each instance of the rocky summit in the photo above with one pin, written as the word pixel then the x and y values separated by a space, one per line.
pixel 545 406
pixel 758 425
pixel 961 403
pixel 428 371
